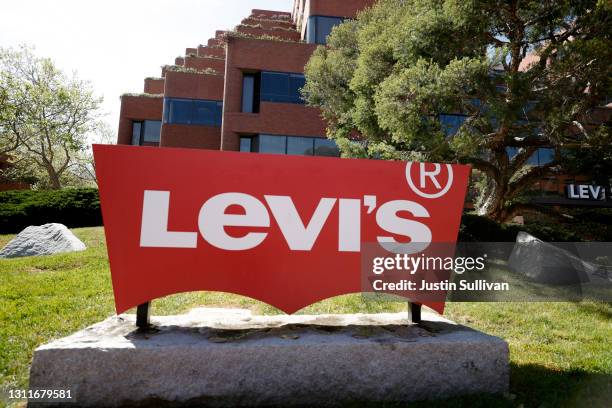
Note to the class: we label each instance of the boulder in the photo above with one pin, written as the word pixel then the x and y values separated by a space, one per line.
pixel 46 239
pixel 547 263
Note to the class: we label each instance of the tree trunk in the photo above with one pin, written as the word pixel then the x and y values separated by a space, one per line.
pixel 494 202
pixel 54 178
pixel 491 200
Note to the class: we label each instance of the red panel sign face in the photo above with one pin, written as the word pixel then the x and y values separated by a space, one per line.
pixel 286 230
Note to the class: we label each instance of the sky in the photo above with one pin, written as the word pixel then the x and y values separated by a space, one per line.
pixel 115 44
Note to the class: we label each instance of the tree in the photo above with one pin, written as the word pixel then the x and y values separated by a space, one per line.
pixel 45 115
pixel 525 75
pixel 84 170
pixel 8 141
pixel 594 161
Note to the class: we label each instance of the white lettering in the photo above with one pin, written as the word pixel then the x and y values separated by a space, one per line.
pixel 431 175
pixel 154 228
pixel 595 192
pixel 349 226
pixel 299 237
pixel 213 220
pixel 419 233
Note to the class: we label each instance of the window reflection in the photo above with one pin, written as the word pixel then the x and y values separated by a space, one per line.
pixel 250 93
pixel 146 133
pixel 271 144
pixel 246 144
pixel 541 157
pixel 136 133
pixel 320 27
pixel 326 147
pixel 451 123
pixel 152 131
pixel 199 112
pixel 282 87
pixel 302 146
pixel 290 145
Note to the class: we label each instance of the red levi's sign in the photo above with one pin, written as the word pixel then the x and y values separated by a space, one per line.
pixel 285 230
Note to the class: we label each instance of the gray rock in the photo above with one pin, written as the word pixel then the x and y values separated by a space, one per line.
pixel 218 357
pixel 547 263
pixel 46 239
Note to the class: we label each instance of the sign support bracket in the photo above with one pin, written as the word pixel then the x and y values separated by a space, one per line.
pixel 414 313
pixel 143 315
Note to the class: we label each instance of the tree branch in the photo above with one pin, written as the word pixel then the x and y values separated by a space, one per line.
pixel 531 176
pixel 483 166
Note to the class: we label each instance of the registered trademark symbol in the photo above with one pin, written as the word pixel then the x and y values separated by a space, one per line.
pixel 432 176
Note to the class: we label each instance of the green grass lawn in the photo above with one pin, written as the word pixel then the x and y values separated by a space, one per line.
pixel 561 353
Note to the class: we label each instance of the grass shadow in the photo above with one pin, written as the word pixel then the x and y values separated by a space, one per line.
pixel 604 310
pixel 537 386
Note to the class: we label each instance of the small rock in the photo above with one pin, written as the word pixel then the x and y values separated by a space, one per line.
pixel 46 239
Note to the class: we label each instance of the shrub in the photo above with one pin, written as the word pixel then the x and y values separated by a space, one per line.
pixel 593 224
pixel 554 232
pixel 480 229
pixel 71 207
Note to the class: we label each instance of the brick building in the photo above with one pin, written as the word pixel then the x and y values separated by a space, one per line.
pixel 241 90
pixel 7 185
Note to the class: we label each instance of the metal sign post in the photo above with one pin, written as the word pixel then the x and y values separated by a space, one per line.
pixel 143 316
pixel 414 313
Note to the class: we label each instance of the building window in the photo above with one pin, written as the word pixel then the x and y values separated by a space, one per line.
pixel 271 144
pixel 146 133
pixel 320 27
pixel 207 113
pixel 290 145
pixel 136 133
pixel 300 146
pixel 451 123
pixel 534 160
pixel 199 112
pixel 246 144
pixel 546 156
pixel 250 93
pixel 178 111
pixel 326 147
pixel 282 87
pixel 541 157
pixel 151 131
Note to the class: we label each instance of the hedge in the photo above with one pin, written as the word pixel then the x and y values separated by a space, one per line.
pixel 480 229
pixel 71 207
pixel 594 227
pixel 81 208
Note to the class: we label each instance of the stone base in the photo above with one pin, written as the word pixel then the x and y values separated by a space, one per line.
pixel 221 357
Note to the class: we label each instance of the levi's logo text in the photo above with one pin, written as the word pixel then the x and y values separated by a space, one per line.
pixel 214 218
pixel 286 230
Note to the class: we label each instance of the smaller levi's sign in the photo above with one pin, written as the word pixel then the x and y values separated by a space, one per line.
pixel 586 192
pixel 286 230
